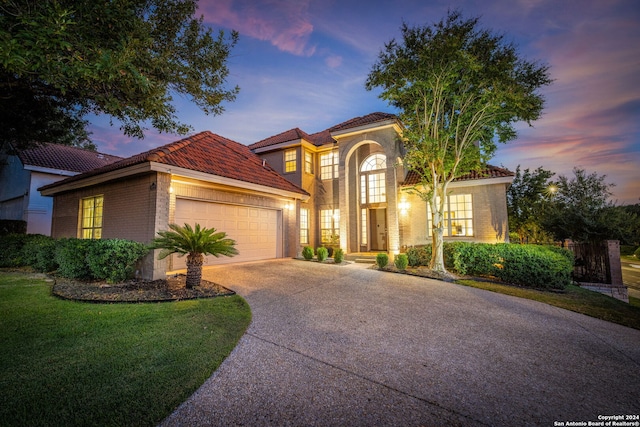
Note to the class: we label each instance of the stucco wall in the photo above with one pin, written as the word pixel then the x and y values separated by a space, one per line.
pixel 489 216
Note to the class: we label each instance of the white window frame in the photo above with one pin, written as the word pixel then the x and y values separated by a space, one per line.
pixel 329 224
pixel 290 160
pixel 329 165
pixel 373 175
pixel 91 216
pixel 304 226
pixel 458 216
pixel 308 162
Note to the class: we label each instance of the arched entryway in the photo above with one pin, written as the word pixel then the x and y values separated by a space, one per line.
pixel 373 203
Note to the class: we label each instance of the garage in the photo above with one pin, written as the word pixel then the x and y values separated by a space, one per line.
pixel 255 230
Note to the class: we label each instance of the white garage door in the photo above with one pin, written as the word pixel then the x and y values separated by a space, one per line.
pixel 255 230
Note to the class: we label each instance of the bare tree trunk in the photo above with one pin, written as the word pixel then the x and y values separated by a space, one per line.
pixel 437 231
pixel 194 270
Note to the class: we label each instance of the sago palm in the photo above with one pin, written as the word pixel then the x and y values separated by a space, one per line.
pixel 194 242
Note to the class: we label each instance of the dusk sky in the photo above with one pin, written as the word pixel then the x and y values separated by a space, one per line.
pixel 303 63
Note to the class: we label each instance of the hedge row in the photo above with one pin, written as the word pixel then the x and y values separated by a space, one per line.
pixel 112 260
pixel 525 265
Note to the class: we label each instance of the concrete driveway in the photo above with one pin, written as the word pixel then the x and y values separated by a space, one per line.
pixel 351 346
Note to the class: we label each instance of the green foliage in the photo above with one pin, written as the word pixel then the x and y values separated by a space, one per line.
pixel 114 260
pixel 39 252
pixel 62 60
pixel 637 253
pixel 419 255
pixel 10 226
pixel 322 253
pixel 11 250
pixel 71 256
pixel 185 240
pixel 307 253
pixel 528 197
pixel 401 261
pixel 382 260
pixel 338 255
pixel 459 89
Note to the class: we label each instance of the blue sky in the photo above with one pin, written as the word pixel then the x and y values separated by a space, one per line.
pixel 303 63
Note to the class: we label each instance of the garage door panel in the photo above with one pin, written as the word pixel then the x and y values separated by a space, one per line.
pixel 255 230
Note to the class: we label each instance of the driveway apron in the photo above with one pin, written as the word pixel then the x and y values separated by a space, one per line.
pixel 348 345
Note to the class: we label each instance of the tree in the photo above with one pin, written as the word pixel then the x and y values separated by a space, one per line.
pixel 528 196
pixel 195 242
pixel 582 210
pixel 459 90
pixel 63 59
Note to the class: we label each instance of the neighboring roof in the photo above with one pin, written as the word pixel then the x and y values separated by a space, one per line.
pixel 489 172
pixel 204 152
pixel 65 158
pixel 323 137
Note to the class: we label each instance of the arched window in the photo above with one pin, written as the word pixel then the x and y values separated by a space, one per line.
pixel 372 179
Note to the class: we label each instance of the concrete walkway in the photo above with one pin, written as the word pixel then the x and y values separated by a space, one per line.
pixel 351 346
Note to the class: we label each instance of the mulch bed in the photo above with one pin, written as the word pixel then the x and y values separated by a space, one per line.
pixel 136 290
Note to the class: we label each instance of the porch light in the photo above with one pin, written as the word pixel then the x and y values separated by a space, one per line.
pixel 403 206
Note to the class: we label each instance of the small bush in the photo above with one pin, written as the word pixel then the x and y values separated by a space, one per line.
pixel 114 260
pixel 39 252
pixel 11 250
pixel 401 261
pixel 382 260
pixel 307 253
pixel 338 255
pixel 322 254
pixel 637 253
pixel 71 256
pixel 419 255
pixel 12 226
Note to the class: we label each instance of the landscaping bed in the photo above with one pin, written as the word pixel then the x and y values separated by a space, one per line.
pixel 137 290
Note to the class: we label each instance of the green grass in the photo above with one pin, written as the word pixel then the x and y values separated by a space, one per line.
pixel 574 298
pixel 69 363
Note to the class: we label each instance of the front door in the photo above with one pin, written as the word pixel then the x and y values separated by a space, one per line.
pixel 378 229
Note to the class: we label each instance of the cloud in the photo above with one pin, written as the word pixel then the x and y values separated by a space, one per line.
pixel 286 24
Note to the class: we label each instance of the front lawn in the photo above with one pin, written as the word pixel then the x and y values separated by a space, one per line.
pixel 69 363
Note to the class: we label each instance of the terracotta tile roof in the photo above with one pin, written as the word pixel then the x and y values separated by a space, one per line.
pixel 286 136
pixel 489 172
pixel 322 137
pixel 362 121
pixel 64 157
pixel 208 153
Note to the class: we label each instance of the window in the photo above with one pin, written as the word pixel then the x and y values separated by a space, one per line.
pixel 458 216
pixel 329 165
pixel 91 217
pixel 304 226
pixel 364 230
pixel 329 225
pixel 372 182
pixel 308 162
pixel 290 160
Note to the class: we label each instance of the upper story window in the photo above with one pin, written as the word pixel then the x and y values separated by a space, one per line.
pixel 329 165
pixel 458 216
pixel 373 179
pixel 308 162
pixel 290 160
pixel 91 217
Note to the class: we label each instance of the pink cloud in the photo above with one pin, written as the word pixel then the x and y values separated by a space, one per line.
pixel 286 24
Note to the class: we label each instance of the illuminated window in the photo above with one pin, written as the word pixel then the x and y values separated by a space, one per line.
pixel 329 225
pixel 290 160
pixel 304 226
pixel 458 216
pixel 329 165
pixel 364 231
pixel 372 182
pixel 308 162
pixel 91 217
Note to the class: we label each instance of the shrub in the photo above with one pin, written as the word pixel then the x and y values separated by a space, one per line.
pixel 11 250
pixel 535 266
pixel 382 260
pixel 419 255
pixel 322 254
pixel 39 252
pixel 476 259
pixel 307 252
pixel 637 253
pixel 12 226
pixel 338 255
pixel 401 261
pixel 71 256
pixel 114 260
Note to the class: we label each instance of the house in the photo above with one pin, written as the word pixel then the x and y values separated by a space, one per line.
pixel 23 173
pixel 353 172
pixel 205 179
pixel 344 186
